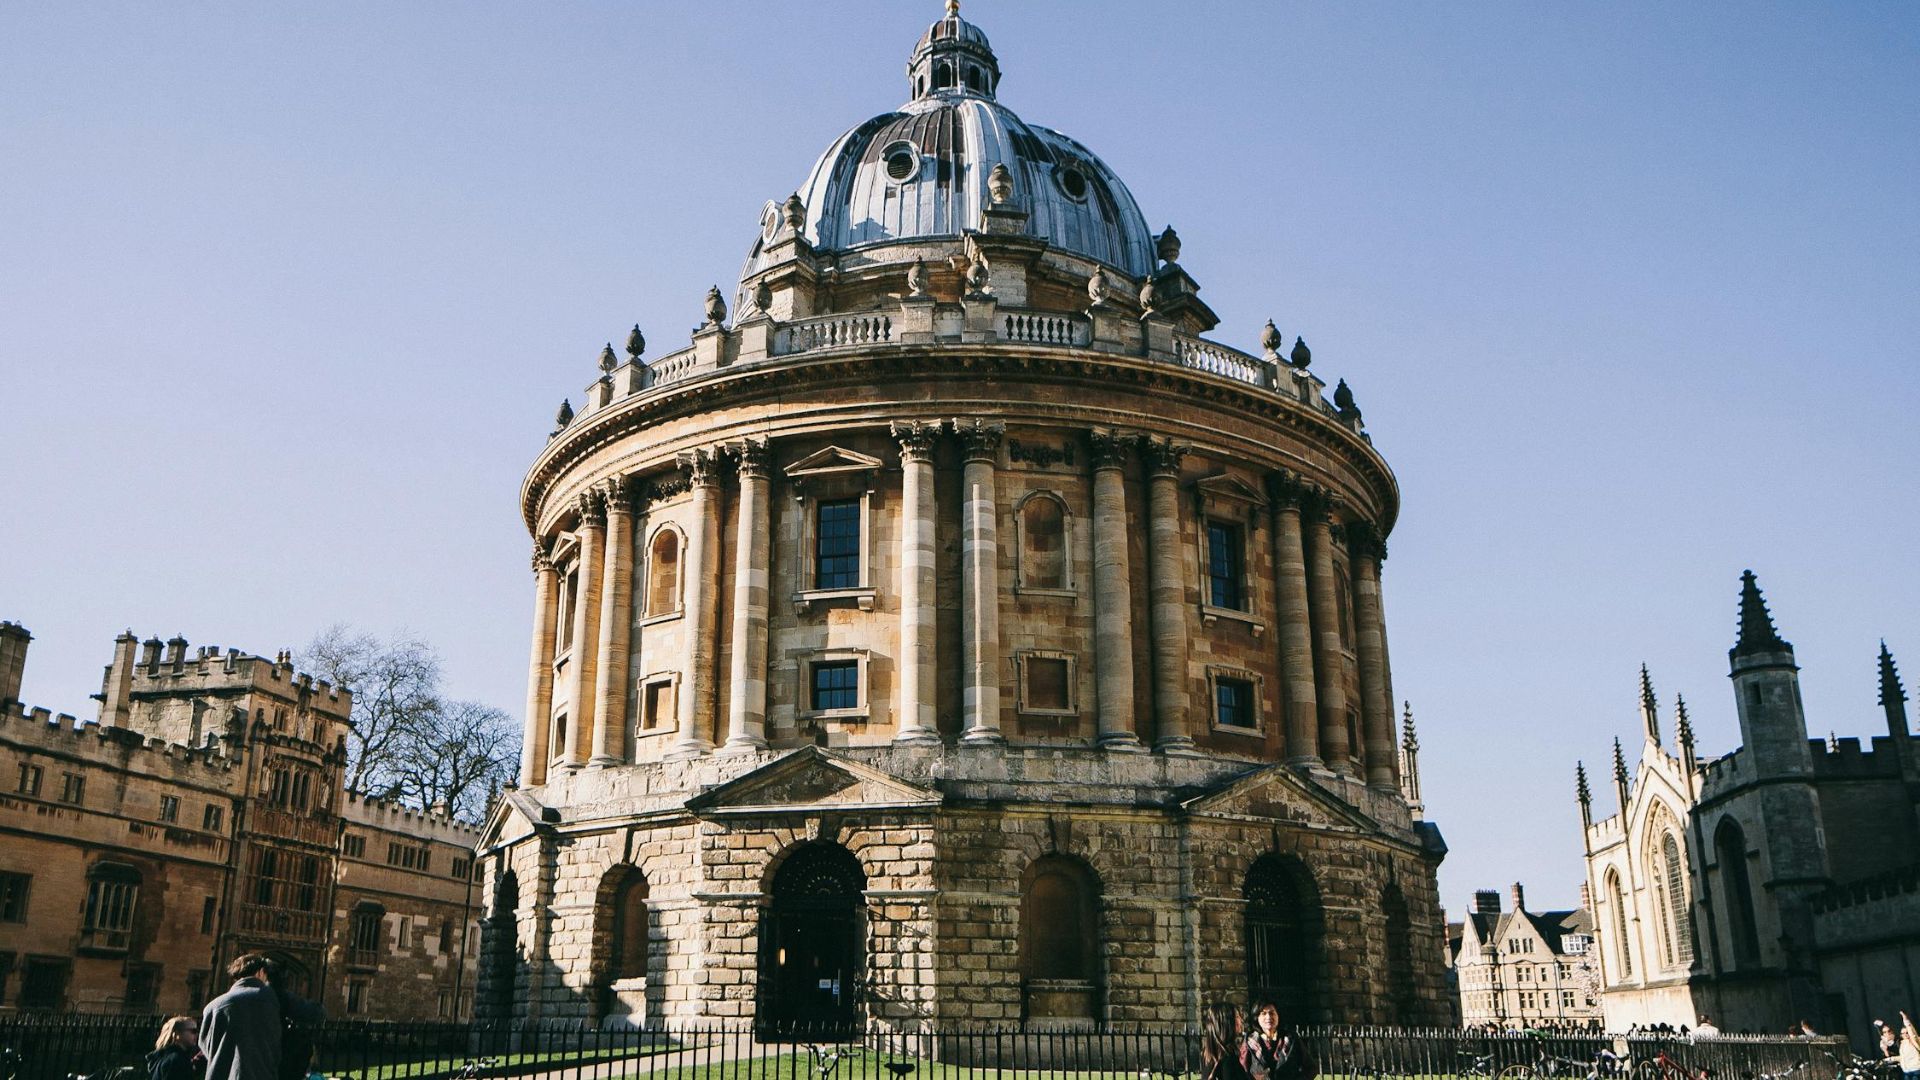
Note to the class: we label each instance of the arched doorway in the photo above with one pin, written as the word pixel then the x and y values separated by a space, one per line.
pixel 811 944
pixel 1060 975
pixel 501 940
pixel 621 956
pixel 1283 930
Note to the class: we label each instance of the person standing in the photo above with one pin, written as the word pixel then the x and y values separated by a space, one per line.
pixel 240 1029
pixel 1271 1052
pixel 1909 1047
pixel 176 1054
pixel 1220 1044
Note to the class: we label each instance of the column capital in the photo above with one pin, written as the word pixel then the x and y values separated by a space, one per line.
pixel 1109 448
pixel 1364 540
pixel 1287 489
pixel 916 438
pixel 592 505
pixel 700 466
pixel 542 558
pixel 980 438
pixel 1320 501
pixel 1162 455
pixel 753 459
pixel 618 493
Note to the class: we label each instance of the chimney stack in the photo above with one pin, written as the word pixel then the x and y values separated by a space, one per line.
pixel 13 660
pixel 1586 897
pixel 177 653
pixel 1519 898
pixel 1486 902
pixel 116 689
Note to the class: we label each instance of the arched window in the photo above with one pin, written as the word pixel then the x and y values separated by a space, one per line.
pixel 663 573
pixel 1043 542
pixel 975 82
pixel 1730 851
pixel 625 908
pixel 942 76
pixel 1623 948
pixel 1060 941
pixel 1675 919
pixel 1401 1000
pixel 1283 937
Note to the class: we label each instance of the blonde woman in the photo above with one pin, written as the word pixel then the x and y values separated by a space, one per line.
pixel 1909 1047
pixel 176 1053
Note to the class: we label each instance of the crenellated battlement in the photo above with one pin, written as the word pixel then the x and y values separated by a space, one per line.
pixel 360 809
pixel 1845 759
pixel 36 730
pixel 168 666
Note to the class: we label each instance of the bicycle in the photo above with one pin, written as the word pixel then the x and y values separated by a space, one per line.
pixel 1663 1067
pixel 475 1068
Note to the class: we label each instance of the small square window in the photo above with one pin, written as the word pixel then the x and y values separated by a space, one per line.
pixel 1048 684
pixel 1226 566
pixel 656 705
pixel 212 819
pixel 169 808
pixel 836 685
pixel 836 544
pixel 29 780
pixel 73 787
pixel 13 897
pixel 1233 703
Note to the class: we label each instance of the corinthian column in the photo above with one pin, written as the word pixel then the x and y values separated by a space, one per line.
pixel 534 750
pixel 1112 595
pixel 696 706
pixel 1328 665
pixel 1167 588
pixel 916 721
pixel 747 697
pixel 1376 707
pixel 616 623
pixel 1296 630
pixel 583 671
pixel 980 580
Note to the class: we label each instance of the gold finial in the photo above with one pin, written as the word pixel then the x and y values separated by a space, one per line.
pixel 953 9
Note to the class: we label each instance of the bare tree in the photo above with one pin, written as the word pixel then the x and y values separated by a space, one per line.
pixel 408 742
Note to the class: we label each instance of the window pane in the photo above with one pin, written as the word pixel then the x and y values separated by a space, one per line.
pixel 836 685
pixel 1233 700
pixel 836 545
pixel 1223 566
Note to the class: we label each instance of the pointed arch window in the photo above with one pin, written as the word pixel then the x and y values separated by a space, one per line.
pixel 1623 948
pixel 1673 899
pixel 1730 851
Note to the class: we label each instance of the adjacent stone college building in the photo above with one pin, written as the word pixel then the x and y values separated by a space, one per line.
pixel 1777 883
pixel 1525 969
pixel 953 634
pixel 202 816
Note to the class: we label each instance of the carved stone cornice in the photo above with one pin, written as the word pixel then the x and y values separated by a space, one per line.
pixel 701 467
pixel 980 439
pixel 592 505
pixel 1162 455
pixel 916 437
pixel 664 487
pixel 1109 448
pixel 753 459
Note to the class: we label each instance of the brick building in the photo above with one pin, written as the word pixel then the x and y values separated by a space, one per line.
pixel 958 635
pixel 203 815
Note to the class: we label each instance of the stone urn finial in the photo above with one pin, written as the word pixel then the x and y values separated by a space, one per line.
pixel 1167 245
pixel 608 361
pixel 1302 356
pixel 565 416
pixel 636 344
pixel 716 307
pixel 762 296
pixel 1146 296
pixel 1097 286
pixel 1270 340
pixel 795 212
pixel 1343 400
pixel 917 278
pixel 979 272
pixel 1000 183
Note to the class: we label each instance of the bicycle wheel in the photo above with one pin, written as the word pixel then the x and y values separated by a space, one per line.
pixel 1517 1072
pixel 1646 1070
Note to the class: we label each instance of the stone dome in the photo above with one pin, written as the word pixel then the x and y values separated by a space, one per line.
pixel 921 171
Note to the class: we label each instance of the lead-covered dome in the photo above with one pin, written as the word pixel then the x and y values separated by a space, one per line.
pixel 921 171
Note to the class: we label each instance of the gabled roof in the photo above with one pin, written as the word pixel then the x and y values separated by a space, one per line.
pixel 1276 791
pixel 515 815
pixel 810 780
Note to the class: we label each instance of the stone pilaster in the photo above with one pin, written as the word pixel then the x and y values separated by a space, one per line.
pixel 980 580
pixel 616 624
pixel 702 569
pixel 1296 629
pixel 1366 549
pixel 583 670
pixel 917 722
pixel 534 750
pixel 752 544
pixel 1328 664
pixel 1167 589
pixel 1112 594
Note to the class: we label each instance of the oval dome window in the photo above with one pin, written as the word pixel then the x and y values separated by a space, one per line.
pixel 903 162
pixel 1072 182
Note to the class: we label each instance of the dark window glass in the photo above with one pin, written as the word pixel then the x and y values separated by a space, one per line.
pixel 211 820
pixel 13 897
pixel 1224 563
pixel 836 545
pixel 1233 699
pixel 43 982
pixel 208 910
pixel 836 685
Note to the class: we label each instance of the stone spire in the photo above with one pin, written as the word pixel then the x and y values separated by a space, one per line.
pixel 1622 783
pixel 1757 634
pixel 1410 762
pixel 1649 708
pixel 1582 792
pixel 1683 733
pixel 1893 697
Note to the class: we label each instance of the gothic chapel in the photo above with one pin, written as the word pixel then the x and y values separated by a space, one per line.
pixel 952 634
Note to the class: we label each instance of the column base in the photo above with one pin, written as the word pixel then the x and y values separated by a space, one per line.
pixel 983 737
pixel 687 751
pixel 601 761
pixel 1175 744
pixel 745 744
pixel 917 737
pixel 1122 742
pixel 1307 763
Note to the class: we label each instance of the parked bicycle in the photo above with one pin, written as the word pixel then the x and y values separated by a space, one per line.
pixel 1662 1066
pixel 476 1068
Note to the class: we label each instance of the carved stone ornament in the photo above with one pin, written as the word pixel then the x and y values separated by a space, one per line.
pixel 981 439
pixel 1109 448
pixel 795 212
pixel 1146 296
pixel 1097 286
pixel 1167 246
pixel 1364 541
pixel 1343 400
pixel 1271 339
pixel 565 416
pixel 608 361
pixel 979 273
pixel 592 505
pixel 762 296
pixel 618 493
pixel 753 458
pixel 1302 356
pixel 542 561
pixel 1000 183
pixel 1285 488
pixel 917 278
pixel 716 307
pixel 636 344
pixel 701 467
pixel 1162 455
pixel 916 437
pixel 664 488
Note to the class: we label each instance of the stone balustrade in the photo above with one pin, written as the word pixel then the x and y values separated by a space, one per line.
pixel 833 332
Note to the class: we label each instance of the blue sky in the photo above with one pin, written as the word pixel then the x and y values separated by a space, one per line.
pixel 288 295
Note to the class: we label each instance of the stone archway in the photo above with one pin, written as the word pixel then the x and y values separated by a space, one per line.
pixel 812 944
pixel 1283 938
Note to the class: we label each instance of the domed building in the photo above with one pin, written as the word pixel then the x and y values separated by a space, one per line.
pixel 952 634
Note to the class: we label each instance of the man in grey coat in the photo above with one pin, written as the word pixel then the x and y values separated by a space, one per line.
pixel 240 1029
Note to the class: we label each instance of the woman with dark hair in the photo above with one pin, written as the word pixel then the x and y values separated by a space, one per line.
pixel 1220 1043
pixel 176 1053
pixel 1272 1052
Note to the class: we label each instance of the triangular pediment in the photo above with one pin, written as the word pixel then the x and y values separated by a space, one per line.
pixel 832 461
pixel 1276 792
pixel 810 780
pixel 1230 487
pixel 515 814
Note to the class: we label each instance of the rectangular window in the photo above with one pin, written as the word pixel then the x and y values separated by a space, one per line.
pixel 836 685
pixel 364 944
pixel 108 923
pixel 73 787
pixel 213 818
pixel 568 595
pixel 356 997
pixel 1226 565
pixel 1047 683
pixel 13 897
pixel 459 867
pixel 354 845
pixel 406 932
pixel 836 544
pixel 657 704
pixel 143 985
pixel 29 780
pixel 208 910
pixel 446 1005
pixel 446 936
pixel 169 808
pixel 1233 703
pixel 43 982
